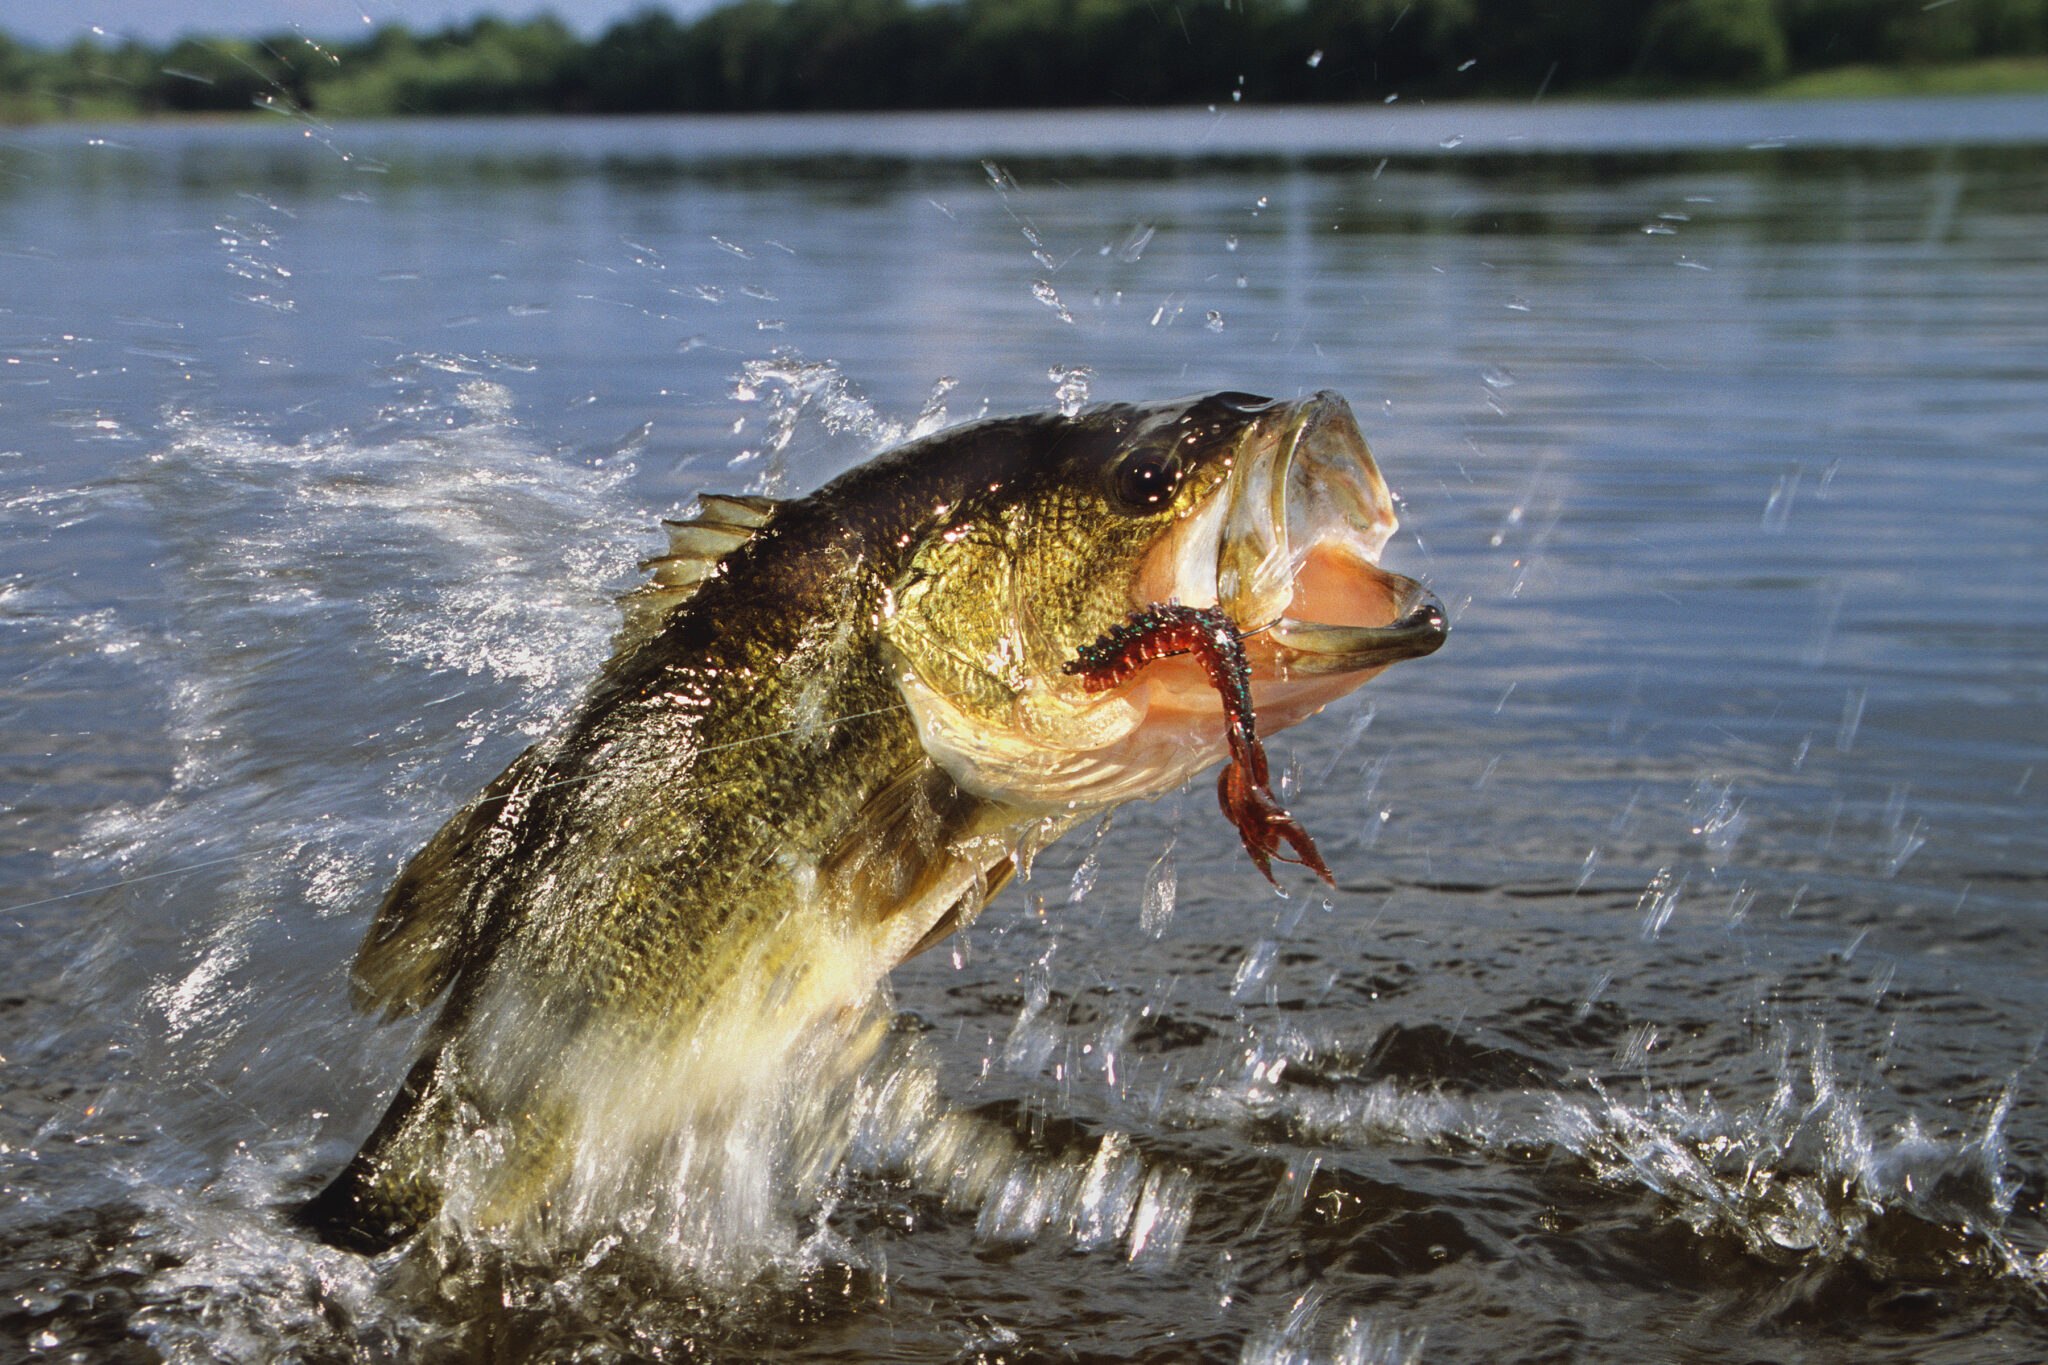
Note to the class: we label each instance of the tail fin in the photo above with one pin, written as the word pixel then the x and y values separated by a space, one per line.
pixel 391 1188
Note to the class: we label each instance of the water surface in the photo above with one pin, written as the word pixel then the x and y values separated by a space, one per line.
pixel 1683 995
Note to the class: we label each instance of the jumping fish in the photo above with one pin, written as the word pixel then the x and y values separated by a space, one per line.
pixel 832 728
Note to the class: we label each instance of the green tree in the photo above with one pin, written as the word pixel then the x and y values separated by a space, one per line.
pixel 489 66
pixel 216 74
pixel 1731 42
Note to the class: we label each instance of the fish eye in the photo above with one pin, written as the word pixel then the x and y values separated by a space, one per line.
pixel 1145 479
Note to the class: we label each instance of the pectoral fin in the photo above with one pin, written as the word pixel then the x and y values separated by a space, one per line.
pixel 905 857
pixel 962 912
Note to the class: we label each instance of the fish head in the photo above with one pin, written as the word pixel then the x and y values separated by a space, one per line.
pixel 1274 512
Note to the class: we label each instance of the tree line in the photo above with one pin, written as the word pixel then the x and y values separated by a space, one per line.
pixel 757 55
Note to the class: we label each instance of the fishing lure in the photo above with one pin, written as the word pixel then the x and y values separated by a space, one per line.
pixel 1164 630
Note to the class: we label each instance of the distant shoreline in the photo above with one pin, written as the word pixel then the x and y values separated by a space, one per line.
pixel 1100 141
pixel 1996 76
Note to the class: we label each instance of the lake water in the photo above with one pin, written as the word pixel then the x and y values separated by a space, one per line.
pixel 1684 996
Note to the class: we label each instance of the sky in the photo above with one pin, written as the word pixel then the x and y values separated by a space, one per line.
pixel 52 22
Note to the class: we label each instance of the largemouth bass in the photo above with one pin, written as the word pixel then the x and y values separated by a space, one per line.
pixel 832 727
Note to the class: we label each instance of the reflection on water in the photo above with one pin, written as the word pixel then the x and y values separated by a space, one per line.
pixel 1685 979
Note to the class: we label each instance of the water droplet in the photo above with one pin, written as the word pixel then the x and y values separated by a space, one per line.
pixel 1213 321
pixel 1592 998
pixel 1636 1047
pixel 1778 507
pixel 1586 869
pixel 1162 886
pixel 1852 718
pixel 1316 58
pixel 1135 242
pixel 1050 297
pixel 1084 878
pixel 1658 901
pixel 1070 387
pixel 1717 819
pixel 1161 1221
pixel 1254 969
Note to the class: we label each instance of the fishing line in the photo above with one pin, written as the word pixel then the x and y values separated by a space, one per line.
pixel 563 782
pixel 148 877
pixel 472 805
pixel 249 854
pixel 719 748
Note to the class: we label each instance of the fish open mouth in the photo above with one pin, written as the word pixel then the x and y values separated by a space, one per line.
pixel 1289 547
pixel 1344 613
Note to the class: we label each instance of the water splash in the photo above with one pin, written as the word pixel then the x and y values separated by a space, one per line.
pixel 1344 1338
pixel 931 417
pixel 1805 1176
pixel 376 565
pixel 1070 387
pixel 793 391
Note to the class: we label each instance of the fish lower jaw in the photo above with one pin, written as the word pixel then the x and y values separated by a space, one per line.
pixel 1347 620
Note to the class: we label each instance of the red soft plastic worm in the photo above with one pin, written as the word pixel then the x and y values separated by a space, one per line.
pixel 1163 630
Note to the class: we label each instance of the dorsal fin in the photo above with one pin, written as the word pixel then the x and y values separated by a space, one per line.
pixel 696 545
